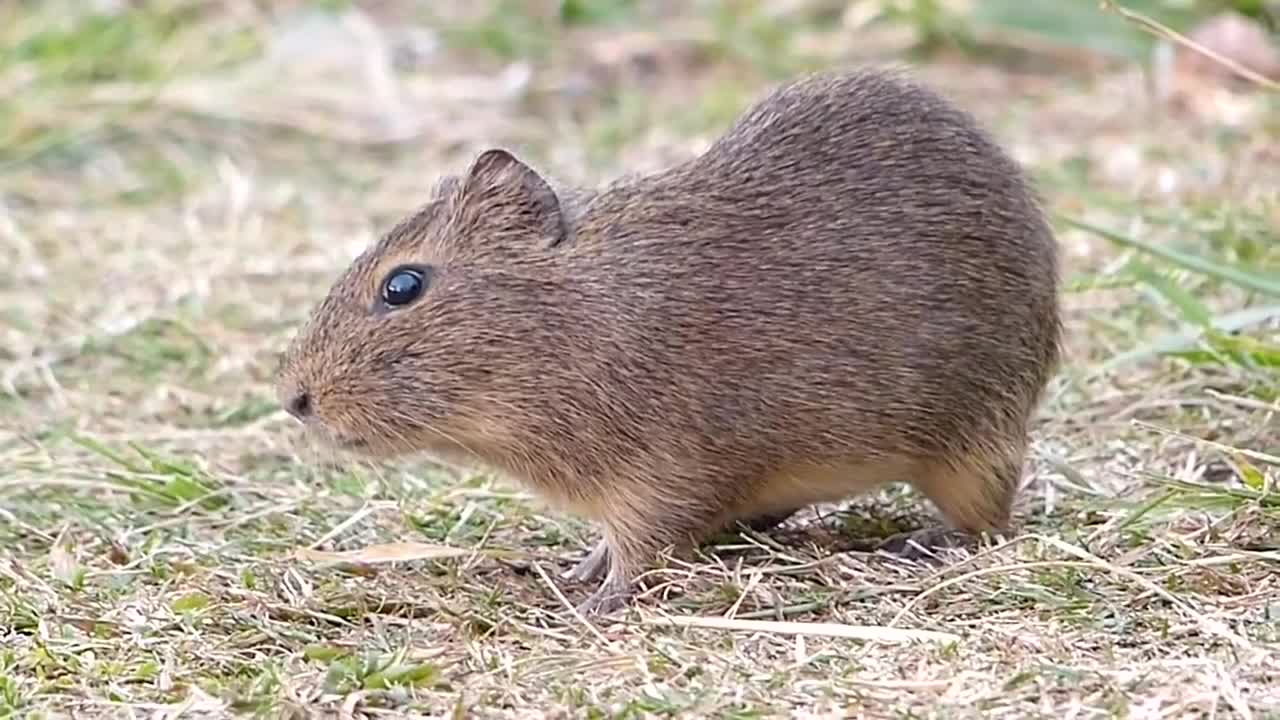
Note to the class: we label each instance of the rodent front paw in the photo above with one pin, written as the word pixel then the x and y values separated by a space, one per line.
pixel 592 567
pixel 612 595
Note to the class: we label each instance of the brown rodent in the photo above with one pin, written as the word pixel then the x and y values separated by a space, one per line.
pixel 855 285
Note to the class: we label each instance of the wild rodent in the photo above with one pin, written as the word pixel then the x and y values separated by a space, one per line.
pixel 854 285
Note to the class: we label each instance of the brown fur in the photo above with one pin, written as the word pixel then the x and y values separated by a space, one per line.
pixel 853 286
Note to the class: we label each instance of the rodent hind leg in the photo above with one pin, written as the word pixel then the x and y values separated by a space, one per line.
pixel 765 522
pixel 974 497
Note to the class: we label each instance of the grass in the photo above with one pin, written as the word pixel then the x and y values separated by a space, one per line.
pixel 180 181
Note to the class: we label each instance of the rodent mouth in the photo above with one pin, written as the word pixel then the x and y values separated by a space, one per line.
pixel 368 446
pixel 347 442
pixel 339 441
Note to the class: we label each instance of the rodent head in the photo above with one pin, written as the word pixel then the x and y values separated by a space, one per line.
pixel 417 343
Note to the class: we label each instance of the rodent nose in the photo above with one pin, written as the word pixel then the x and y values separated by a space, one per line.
pixel 299 405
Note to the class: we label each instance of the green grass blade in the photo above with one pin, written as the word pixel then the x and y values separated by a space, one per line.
pixel 1265 284
pixel 1187 340
pixel 1193 311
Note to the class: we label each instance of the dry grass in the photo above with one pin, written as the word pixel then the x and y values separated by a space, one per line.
pixel 178 184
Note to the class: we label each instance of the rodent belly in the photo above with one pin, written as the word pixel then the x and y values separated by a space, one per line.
pixel 808 483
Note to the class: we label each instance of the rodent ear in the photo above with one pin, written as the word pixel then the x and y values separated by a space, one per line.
pixel 497 174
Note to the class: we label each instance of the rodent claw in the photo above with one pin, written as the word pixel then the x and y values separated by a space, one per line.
pixel 919 544
pixel 591 567
pixel 608 598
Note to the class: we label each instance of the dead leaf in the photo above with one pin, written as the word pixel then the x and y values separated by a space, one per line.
pixel 872 633
pixel 63 565
pixel 389 552
pixel 118 553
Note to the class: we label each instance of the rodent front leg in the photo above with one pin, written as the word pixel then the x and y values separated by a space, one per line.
pixel 634 537
pixel 592 566
pixel 614 593
pixel 596 563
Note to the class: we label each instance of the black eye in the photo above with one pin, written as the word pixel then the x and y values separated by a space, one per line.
pixel 403 285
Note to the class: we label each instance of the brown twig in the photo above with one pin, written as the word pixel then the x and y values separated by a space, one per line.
pixel 1160 29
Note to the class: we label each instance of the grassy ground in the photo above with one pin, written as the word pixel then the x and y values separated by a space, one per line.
pixel 180 181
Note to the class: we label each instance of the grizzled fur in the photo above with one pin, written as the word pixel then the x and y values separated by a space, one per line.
pixel 855 285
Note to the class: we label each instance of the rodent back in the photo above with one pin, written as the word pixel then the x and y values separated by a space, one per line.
pixel 854 244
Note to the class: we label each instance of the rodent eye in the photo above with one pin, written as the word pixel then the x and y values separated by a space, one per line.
pixel 403 285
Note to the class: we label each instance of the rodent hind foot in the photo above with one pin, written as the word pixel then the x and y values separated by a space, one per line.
pixel 921 545
pixel 768 521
